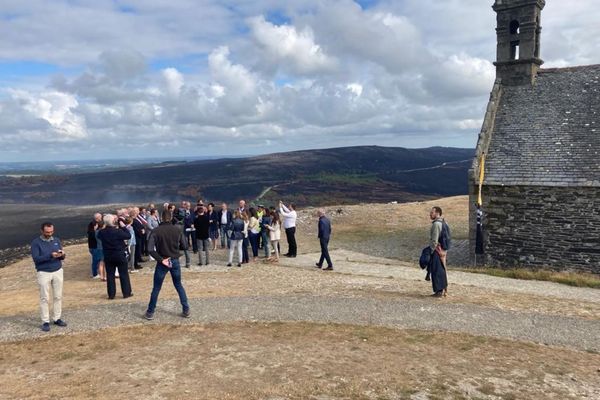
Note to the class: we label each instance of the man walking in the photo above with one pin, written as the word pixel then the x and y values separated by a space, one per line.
pixel 93 244
pixel 324 235
pixel 289 224
pixel 47 254
pixel 164 245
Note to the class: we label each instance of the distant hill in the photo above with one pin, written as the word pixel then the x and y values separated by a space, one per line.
pixel 315 177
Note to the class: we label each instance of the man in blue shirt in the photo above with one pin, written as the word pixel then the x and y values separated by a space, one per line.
pixel 47 254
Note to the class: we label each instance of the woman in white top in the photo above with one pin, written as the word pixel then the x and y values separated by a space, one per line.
pixel 275 234
pixel 254 233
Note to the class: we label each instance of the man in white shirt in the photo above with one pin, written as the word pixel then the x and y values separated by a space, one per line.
pixel 289 224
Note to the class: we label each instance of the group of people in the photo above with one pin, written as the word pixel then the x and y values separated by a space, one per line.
pixel 118 242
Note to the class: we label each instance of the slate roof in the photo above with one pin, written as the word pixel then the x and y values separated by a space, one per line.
pixel 548 134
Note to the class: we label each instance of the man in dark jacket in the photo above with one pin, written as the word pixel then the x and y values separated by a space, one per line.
pixel 225 221
pixel 165 243
pixel 139 229
pixel 202 226
pixel 324 235
pixel 47 254
pixel 113 238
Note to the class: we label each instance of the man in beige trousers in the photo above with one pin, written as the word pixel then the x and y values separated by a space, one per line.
pixel 47 254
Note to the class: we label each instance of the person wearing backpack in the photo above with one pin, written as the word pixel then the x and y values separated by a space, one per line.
pixel 439 244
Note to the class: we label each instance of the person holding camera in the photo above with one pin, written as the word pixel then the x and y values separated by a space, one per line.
pixel 113 238
pixel 48 254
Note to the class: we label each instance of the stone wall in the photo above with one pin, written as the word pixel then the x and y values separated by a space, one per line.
pixel 541 227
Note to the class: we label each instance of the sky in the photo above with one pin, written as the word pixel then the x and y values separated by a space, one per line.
pixel 98 79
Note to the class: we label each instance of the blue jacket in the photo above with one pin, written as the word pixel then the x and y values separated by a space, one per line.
pixel 324 228
pixel 41 252
pixel 238 229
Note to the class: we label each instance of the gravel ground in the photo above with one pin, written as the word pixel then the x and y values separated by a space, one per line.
pixel 360 264
pixel 551 330
pixel 560 330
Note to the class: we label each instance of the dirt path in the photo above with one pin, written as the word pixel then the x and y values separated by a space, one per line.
pixel 552 330
pixel 348 262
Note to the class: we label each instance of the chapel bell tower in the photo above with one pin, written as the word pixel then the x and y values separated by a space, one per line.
pixel 518 34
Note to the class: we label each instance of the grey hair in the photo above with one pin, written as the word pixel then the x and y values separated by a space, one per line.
pixel 109 220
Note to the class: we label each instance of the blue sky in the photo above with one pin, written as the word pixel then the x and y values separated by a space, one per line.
pixel 107 78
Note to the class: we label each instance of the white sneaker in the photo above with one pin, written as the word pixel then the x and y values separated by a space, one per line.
pixel 96 277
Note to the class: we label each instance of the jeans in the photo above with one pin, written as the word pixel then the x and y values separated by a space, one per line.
pixel 159 276
pixel 235 244
pixel 253 237
pixel 225 236
pixel 245 256
pixel 265 242
pixel 275 244
pixel 191 235
pixel 96 258
pixel 131 261
pixel 290 234
pixel 203 247
pixel 325 252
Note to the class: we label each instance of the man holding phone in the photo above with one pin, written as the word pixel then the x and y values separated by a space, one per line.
pixel 164 245
pixel 47 254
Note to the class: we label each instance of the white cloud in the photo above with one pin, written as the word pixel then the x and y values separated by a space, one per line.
pixel 281 74
pixel 57 110
pixel 290 48
pixel 173 80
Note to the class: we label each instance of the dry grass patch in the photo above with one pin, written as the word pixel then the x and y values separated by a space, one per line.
pixel 291 361
pixel 565 278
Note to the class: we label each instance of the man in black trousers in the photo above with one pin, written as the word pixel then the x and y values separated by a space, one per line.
pixel 324 235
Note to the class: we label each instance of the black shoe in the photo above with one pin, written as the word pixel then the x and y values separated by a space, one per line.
pixel 330 268
pixel 129 295
pixel 438 294
pixel 318 265
pixel 60 322
pixel 200 264
pixel 149 315
pixel 239 265
pixel 229 265
pixel 138 266
pixel 46 327
pixel 185 314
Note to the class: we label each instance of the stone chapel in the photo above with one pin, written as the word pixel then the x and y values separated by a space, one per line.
pixel 540 143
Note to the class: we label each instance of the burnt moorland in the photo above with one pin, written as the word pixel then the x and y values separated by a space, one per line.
pixel 313 177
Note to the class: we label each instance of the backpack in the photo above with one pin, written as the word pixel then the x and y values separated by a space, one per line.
pixel 445 237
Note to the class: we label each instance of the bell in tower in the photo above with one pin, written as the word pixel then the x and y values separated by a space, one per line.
pixel 518 33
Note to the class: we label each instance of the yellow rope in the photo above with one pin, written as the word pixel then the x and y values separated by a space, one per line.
pixel 481 176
